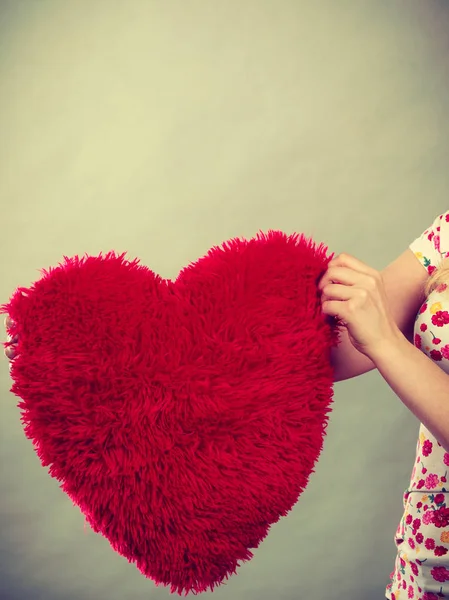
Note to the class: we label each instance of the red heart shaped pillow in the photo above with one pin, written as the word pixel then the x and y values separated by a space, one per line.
pixel 185 417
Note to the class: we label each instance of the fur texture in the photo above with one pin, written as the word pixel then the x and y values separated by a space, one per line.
pixel 183 417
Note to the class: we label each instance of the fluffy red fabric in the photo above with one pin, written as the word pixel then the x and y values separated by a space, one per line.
pixel 183 417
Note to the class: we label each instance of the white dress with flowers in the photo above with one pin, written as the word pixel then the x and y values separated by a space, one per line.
pixel 422 537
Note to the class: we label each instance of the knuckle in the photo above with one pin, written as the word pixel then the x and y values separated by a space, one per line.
pixel 363 293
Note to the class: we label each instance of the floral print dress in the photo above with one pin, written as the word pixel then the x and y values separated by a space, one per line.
pixel 422 538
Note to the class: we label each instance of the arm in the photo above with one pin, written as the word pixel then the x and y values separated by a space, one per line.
pixel 421 385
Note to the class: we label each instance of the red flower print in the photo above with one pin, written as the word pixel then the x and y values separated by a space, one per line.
pixel 421 483
pixel 418 504
pixel 431 269
pixel 411 542
pixel 416 523
pixel 432 481
pixel 446 459
pixel 436 240
pixel 411 593
pixel 424 470
pixel 423 327
pixel 440 551
pixel 423 308
pixel 439 498
pixel 427 447
pixel 441 517
pixel 408 519
pixel 414 568
pixel 440 318
pixel 436 355
pixel 427 517
pixel 425 507
pixel 445 353
pixel 436 341
pixel 404 585
pixel 429 543
pixel 402 563
pixel 419 538
pixel 418 340
pixel 440 574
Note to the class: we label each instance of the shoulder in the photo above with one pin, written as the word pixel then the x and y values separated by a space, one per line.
pixel 432 246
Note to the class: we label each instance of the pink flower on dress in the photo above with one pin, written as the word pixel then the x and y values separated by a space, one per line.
pixel 423 327
pixel 440 318
pixel 436 242
pixel 440 517
pixel 429 543
pixel 427 517
pixel 432 480
pixel 416 523
pixel 445 351
pixel 440 551
pixel 427 448
pixel 419 538
pixel 414 568
pixel 411 593
pixel 418 504
pixel 411 542
pixel 446 459
pixel 440 574
pixel 436 355
pixel 439 498
pixel 420 484
pixel 424 470
pixel 408 519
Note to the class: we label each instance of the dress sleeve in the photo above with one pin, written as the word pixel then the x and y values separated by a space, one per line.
pixel 432 246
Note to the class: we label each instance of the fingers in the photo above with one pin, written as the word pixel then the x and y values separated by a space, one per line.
pixel 10 352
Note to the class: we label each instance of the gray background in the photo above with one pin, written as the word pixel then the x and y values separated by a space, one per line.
pixel 162 128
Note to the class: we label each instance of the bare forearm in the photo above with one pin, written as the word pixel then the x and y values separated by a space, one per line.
pixel 347 362
pixel 419 383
